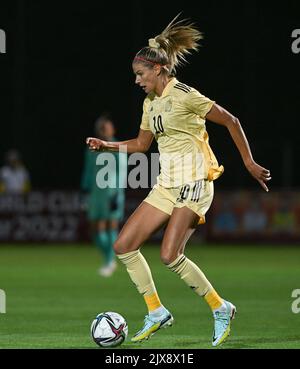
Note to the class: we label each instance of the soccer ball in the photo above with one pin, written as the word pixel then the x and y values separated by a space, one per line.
pixel 109 329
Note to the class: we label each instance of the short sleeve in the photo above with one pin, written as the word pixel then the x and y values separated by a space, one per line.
pixel 198 103
pixel 145 118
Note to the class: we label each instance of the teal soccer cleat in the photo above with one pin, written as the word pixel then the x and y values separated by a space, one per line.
pixel 222 323
pixel 152 325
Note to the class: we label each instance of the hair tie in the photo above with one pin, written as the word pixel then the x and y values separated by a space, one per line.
pixel 153 43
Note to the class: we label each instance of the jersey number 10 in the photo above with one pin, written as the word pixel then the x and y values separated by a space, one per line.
pixel 158 126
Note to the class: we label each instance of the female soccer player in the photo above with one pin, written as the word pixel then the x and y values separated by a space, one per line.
pixel 105 205
pixel 175 115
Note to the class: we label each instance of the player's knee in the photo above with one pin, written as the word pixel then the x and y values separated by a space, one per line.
pixel 168 256
pixel 121 246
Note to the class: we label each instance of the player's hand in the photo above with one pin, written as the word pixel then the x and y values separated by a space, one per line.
pixel 261 174
pixel 95 144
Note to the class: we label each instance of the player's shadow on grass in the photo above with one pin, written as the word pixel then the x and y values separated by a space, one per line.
pixel 183 343
pixel 232 343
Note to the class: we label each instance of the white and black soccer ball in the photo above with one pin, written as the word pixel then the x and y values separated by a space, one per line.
pixel 109 329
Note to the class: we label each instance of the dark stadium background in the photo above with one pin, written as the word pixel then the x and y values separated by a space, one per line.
pixel 66 62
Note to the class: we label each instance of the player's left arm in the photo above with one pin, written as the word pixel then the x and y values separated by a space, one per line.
pixel 219 115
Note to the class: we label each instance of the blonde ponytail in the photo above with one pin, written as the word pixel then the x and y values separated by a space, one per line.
pixel 170 48
pixel 177 39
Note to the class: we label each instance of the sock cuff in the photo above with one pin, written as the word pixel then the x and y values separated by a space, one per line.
pixel 177 263
pixel 129 255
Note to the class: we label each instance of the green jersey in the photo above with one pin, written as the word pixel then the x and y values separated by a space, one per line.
pixel 108 202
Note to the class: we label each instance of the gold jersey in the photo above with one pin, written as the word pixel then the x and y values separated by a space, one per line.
pixel 177 120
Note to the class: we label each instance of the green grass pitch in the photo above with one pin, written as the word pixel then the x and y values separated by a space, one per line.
pixel 53 292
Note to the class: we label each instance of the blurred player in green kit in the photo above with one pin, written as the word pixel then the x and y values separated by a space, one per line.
pixel 103 178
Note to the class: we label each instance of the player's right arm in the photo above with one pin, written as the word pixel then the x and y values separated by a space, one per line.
pixel 141 143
